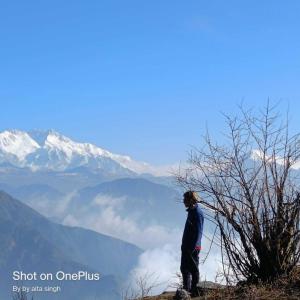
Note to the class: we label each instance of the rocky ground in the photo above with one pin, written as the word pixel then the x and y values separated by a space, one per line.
pixel 283 289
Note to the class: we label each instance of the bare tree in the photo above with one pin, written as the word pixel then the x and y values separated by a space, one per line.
pixel 249 187
pixel 142 287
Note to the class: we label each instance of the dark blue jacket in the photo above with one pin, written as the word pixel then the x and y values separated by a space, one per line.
pixel 193 229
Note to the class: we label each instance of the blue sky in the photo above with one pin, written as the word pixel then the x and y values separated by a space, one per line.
pixel 144 78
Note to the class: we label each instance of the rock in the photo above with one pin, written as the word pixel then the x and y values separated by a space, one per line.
pixel 182 294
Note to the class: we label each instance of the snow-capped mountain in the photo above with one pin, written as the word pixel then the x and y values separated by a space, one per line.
pixel 16 145
pixel 51 150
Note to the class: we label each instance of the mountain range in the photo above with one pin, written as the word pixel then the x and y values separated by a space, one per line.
pixel 109 201
pixel 30 243
pixel 50 150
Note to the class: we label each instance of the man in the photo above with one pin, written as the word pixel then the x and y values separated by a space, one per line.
pixel 191 243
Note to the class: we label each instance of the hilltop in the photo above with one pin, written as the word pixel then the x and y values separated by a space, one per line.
pixel 285 288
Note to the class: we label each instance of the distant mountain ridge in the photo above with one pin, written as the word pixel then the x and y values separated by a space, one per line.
pixel 31 243
pixel 155 202
pixel 50 150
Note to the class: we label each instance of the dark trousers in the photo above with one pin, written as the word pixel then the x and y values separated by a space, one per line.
pixel 189 268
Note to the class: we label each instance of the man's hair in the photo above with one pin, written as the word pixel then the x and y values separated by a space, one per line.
pixel 192 196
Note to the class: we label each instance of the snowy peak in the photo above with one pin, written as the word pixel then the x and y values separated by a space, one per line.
pixel 49 149
pixel 40 136
pixel 52 139
pixel 17 143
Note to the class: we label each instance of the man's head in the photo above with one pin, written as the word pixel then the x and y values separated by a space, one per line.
pixel 190 198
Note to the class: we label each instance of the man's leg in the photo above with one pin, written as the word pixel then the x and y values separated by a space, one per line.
pixel 187 279
pixel 185 271
pixel 194 268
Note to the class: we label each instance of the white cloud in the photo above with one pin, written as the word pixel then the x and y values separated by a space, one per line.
pixel 50 207
pixel 106 200
pixel 104 217
pixel 161 258
pixel 61 207
pixel 161 265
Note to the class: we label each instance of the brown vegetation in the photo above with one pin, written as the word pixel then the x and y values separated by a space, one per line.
pixel 284 288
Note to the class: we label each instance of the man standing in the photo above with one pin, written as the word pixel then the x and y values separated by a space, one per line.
pixel 191 243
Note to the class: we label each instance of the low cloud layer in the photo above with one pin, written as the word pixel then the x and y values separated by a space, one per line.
pixel 160 262
pixel 105 218
pixel 160 266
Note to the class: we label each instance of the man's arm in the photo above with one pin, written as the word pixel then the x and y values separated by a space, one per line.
pixel 199 228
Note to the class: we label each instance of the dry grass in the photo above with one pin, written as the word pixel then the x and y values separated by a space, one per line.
pixel 249 293
pixel 285 288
